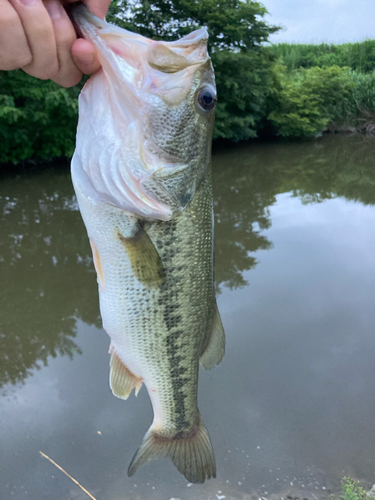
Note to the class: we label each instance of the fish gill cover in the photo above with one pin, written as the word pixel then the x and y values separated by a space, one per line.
pixel 139 121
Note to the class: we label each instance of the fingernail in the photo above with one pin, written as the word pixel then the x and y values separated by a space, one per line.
pixel 54 9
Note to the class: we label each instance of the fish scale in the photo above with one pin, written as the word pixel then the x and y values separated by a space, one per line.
pixel 143 183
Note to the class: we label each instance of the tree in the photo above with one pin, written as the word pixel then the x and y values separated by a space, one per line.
pixel 304 102
pixel 38 118
pixel 237 30
pixel 232 24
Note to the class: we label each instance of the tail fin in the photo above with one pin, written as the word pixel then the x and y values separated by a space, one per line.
pixel 191 452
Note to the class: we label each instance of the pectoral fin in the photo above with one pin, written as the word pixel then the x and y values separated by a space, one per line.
pixel 121 379
pixel 144 258
pixel 172 185
pixel 215 349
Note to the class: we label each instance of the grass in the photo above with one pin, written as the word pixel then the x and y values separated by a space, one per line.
pixel 359 56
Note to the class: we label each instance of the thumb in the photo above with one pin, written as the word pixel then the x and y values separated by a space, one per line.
pixel 85 57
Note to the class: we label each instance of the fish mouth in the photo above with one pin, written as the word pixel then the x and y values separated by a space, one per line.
pixel 79 13
pixel 70 11
pixel 141 65
pixel 164 57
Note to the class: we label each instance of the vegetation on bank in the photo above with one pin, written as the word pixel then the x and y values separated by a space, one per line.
pixel 359 56
pixel 351 490
pixel 322 87
pixel 38 118
pixel 284 90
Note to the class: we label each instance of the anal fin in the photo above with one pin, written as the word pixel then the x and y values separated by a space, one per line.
pixel 122 381
pixel 215 349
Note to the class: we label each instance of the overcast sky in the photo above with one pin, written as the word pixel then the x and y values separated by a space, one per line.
pixel 316 21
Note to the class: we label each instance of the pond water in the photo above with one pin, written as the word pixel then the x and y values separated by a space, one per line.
pixel 291 408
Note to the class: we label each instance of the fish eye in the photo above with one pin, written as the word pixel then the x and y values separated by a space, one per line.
pixel 207 99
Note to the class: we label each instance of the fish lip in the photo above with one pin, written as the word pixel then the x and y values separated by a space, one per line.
pixel 85 21
pixel 81 14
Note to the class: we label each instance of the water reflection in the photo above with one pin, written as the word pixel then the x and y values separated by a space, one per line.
pixel 46 273
pixel 247 180
pixel 241 214
pixel 295 393
pixel 45 259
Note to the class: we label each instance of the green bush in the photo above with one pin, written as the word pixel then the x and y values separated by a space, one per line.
pixel 361 103
pixel 363 94
pixel 37 118
pixel 351 490
pixel 304 102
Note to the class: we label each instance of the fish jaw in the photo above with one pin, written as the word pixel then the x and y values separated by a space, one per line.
pixel 138 119
pixel 131 57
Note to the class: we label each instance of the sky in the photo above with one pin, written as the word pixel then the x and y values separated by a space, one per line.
pixel 316 21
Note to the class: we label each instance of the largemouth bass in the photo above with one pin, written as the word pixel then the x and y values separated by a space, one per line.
pixel 142 176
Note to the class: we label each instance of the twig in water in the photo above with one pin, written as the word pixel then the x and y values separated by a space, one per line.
pixel 69 476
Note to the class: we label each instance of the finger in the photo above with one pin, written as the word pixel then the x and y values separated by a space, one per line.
pixel 68 74
pixel 40 36
pixel 14 49
pixel 85 57
pixel 97 7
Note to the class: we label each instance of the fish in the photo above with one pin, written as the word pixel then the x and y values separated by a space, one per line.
pixel 142 175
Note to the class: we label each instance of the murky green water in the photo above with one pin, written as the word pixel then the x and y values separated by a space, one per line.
pixel 290 409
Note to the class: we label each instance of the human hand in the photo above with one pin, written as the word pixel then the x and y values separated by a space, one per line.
pixel 38 36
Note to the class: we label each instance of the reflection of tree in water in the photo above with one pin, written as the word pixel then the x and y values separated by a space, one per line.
pixel 241 213
pixel 248 178
pixel 46 273
pixel 341 166
pixel 48 281
pixel 334 166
